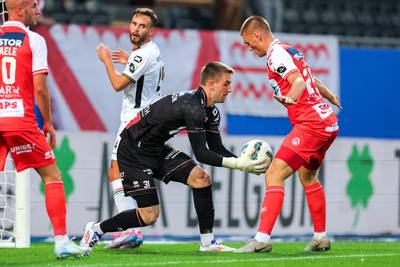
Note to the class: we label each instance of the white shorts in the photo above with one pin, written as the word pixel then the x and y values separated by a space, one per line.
pixel 117 139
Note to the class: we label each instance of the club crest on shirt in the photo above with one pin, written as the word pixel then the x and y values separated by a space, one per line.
pixel 137 59
pixel 296 141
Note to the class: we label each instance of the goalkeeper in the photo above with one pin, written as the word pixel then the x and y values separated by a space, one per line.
pixel 143 156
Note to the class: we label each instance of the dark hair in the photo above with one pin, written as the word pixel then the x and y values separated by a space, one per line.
pixel 255 23
pixel 213 70
pixel 147 12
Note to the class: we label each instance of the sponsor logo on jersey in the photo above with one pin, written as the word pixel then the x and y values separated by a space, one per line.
pixel 12 39
pixel 172 154
pixel 131 68
pixel 295 53
pixel 148 171
pixel 137 59
pixel 26 148
pixel 281 69
pixel 49 155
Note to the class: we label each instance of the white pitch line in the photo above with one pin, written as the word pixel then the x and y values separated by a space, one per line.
pixel 229 261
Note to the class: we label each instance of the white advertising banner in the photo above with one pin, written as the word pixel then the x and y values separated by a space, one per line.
pixel 361 178
pixel 84 99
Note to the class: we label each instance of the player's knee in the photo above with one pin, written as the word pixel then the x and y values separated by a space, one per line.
pixel 150 214
pixel 50 174
pixel 203 179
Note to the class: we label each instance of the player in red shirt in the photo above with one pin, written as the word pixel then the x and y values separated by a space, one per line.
pixel 23 77
pixel 315 127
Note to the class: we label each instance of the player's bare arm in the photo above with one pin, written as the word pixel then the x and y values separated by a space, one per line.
pixel 326 93
pixel 118 81
pixel 43 101
pixel 297 88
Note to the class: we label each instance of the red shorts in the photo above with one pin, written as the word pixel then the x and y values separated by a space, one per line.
pixel 305 147
pixel 29 149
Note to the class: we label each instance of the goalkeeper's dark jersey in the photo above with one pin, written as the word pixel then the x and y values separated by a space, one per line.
pixel 157 123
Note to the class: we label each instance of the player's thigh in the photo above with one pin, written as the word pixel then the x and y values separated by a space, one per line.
pixel 138 183
pixel 318 146
pixel 174 165
pixel 29 149
pixel 278 172
pixel 137 175
pixel 308 145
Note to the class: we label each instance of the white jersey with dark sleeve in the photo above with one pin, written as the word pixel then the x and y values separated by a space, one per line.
pixel 145 69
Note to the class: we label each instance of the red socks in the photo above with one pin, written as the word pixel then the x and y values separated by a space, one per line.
pixel 271 208
pixel 316 203
pixel 56 206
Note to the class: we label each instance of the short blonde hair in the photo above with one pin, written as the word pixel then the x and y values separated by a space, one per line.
pixel 255 23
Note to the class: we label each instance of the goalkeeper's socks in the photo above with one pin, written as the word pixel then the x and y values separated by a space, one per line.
pixel 97 228
pixel 317 205
pixel 271 208
pixel 56 207
pixel 121 201
pixel 122 221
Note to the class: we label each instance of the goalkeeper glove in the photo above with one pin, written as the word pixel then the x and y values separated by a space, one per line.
pixel 245 164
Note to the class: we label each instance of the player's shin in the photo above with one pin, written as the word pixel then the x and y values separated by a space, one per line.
pixel 271 208
pixel 203 203
pixel 56 207
pixel 122 221
pixel 317 205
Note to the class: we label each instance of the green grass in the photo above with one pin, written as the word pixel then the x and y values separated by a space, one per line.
pixel 186 254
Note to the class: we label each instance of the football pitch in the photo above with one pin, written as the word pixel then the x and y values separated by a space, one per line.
pixel 187 254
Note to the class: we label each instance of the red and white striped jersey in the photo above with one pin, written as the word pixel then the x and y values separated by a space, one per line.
pixel 310 109
pixel 23 54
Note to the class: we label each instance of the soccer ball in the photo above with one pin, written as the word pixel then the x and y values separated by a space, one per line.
pixel 260 148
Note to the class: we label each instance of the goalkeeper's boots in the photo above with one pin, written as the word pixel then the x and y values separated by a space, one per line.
pixel 138 241
pixel 322 244
pixel 126 239
pixel 90 237
pixel 70 249
pixel 216 246
pixel 253 246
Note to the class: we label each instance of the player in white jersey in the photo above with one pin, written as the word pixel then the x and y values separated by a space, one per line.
pixel 140 82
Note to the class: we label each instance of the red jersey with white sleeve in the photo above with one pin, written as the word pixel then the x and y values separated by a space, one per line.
pixel 310 109
pixel 23 54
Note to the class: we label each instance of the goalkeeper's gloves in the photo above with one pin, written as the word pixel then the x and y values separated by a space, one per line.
pixel 246 164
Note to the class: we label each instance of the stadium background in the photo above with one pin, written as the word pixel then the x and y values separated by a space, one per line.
pixel 354 45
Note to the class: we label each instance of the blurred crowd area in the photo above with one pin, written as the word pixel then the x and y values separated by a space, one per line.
pixel 371 18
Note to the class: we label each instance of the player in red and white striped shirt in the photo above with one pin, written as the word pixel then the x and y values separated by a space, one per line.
pixel 314 129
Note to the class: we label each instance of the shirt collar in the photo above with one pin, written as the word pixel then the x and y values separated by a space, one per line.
pixel 15 23
pixel 203 96
pixel 274 42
